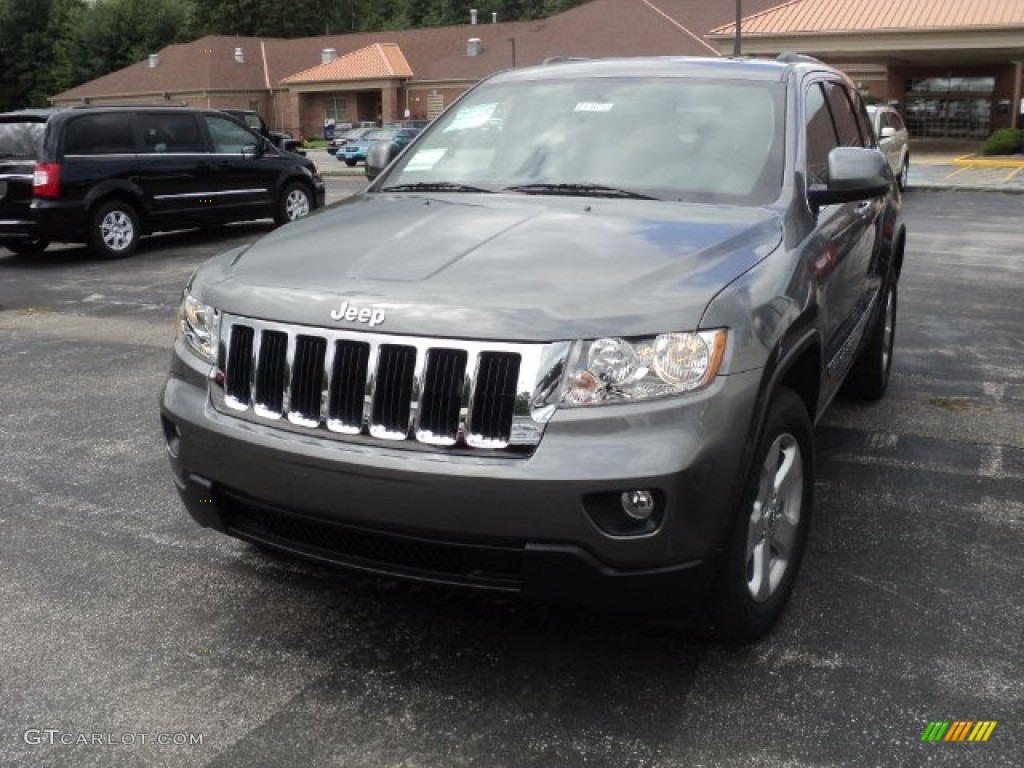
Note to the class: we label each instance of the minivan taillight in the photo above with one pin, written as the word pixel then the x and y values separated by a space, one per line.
pixel 46 180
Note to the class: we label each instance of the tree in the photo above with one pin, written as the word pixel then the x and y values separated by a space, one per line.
pixel 30 33
pixel 111 34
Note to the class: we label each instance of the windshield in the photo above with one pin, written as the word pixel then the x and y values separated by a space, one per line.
pixel 381 134
pixel 671 138
pixel 21 139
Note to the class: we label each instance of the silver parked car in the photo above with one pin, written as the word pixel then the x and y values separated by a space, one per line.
pixel 519 362
pixel 893 138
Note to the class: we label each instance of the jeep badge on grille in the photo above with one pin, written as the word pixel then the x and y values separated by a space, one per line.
pixel 366 315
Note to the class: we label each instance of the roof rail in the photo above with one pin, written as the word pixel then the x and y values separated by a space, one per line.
pixel 562 59
pixel 140 105
pixel 789 57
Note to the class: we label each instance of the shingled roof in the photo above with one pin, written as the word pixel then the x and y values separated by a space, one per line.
pixel 598 28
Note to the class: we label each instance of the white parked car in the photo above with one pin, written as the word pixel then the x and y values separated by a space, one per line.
pixel 893 138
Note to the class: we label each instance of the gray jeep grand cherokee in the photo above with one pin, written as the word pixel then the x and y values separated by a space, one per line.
pixel 571 343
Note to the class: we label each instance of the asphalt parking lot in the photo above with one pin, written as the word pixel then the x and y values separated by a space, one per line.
pixel 128 634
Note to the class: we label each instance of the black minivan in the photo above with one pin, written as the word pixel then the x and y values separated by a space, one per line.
pixel 106 175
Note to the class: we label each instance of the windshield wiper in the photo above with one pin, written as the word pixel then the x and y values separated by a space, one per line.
pixel 583 190
pixel 434 186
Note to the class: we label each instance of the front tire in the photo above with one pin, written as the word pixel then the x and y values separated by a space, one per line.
pixel 296 203
pixel 904 176
pixel 759 567
pixel 114 230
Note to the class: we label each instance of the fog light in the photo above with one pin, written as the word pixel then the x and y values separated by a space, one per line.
pixel 639 505
pixel 172 435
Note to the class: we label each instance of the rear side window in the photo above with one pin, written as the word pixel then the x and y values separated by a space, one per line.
pixel 102 134
pixel 170 133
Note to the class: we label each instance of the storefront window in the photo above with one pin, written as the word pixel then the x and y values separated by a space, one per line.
pixel 951 84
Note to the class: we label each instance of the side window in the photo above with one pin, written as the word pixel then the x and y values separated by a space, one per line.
pixel 896 121
pixel 820 135
pixel 867 132
pixel 100 134
pixel 845 116
pixel 229 138
pixel 170 133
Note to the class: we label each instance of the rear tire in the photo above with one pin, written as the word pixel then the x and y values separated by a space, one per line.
pixel 31 247
pixel 114 230
pixel 869 377
pixel 759 567
pixel 350 163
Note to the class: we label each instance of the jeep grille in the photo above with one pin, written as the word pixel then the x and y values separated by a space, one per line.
pixel 365 387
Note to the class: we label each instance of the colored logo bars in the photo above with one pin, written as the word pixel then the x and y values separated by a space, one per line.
pixel 958 730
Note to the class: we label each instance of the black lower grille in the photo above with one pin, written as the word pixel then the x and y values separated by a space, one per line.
pixel 482 566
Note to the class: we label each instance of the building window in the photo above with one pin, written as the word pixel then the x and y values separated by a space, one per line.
pixel 336 109
pixel 951 84
pixel 435 105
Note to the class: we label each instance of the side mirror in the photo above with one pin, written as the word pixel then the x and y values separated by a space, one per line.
pixel 887 133
pixel 854 173
pixel 378 157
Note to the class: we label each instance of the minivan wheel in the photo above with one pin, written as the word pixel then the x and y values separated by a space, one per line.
pixel 869 377
pixel 32 247
pixel 114 231
pixel 759 567
pixel 296 203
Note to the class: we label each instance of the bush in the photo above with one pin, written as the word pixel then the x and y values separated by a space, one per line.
pixel 1005 141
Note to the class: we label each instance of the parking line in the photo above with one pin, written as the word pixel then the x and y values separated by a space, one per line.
pixel 1013 173
pixel 961 170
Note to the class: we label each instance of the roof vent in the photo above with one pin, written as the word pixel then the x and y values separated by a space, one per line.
pixel 327 55
pixel 474 46
pixel 472 15
pixel 239 55
pixel 154 60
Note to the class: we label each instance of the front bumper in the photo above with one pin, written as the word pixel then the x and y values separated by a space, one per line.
pixel 510 524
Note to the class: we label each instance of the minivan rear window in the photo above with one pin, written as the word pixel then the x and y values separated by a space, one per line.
pixel 101 134
pixel 21 140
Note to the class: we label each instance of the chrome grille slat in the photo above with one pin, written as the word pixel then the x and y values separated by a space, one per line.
pixel 440 402
pixel 271 360
pixel 366 387
pixel 347 395
pixel 307 374
pixel 392 396
pixel 239 361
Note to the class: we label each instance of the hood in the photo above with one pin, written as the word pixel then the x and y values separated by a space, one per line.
pixel 510 267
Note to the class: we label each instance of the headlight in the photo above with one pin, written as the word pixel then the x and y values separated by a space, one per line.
pixel 622 370
pixel 200 327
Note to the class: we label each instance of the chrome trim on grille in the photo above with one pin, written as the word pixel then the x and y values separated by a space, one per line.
pixel 500 387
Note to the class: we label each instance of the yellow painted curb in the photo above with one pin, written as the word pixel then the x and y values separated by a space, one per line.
pixel 973 161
